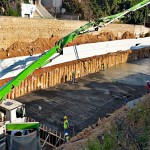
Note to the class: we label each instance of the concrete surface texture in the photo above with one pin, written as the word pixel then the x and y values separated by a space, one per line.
pixel 91 97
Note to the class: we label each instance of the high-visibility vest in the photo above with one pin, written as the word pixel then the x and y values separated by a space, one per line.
pixel 66 124
pixel 67 138
pixel 73 74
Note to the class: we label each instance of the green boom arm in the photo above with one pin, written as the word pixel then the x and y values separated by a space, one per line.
pixel 58 48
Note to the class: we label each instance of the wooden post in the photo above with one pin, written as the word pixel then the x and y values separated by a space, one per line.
pixel 81 67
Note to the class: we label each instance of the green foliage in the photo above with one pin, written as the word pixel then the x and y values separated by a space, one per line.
pixel 11 12
pixel 144 138
pixel 130 131
pixel 73 7
pixel 139 113
pixel 101 8
pixel 133 115
pixel 108 144
pixel 26 1
pixel 96 9
pixel 93 145
pixel 11 8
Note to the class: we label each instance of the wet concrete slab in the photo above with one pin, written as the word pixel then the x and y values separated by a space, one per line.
pixel 90 98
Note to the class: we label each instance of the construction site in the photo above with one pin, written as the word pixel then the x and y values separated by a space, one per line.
pixel 83 70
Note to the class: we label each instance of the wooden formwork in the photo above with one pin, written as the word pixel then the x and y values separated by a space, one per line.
pixel 51 138
pixel 50 76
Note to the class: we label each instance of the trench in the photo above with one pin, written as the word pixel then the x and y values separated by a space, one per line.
pixel 50 76
pixel 95 94
pixel 92 97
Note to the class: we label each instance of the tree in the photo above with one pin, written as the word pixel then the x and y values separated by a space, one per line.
pixel 96 9
pixel 9 7
pixel 100 8
pixel 138 16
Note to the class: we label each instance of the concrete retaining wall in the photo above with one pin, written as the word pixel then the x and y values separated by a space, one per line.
pixel 14 29
pixel 50 76
pixel 11 67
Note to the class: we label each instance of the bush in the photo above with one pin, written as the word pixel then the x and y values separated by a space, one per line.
pixel 143 139
pixel 108 144
pixel 11 12
pixel 94 145
pixel 26 1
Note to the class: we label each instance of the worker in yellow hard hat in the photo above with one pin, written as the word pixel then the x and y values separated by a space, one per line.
pixel 65 117
pixel 66 124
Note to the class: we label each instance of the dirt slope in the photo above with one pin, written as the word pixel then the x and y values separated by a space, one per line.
pixel 80 141
pixel 41 44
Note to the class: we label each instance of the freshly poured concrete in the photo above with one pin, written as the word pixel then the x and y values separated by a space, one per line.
pixel 134 73
pixel 93 96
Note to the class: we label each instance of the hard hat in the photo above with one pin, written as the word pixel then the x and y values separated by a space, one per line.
pixel 65 117
pixel 66 134
pixel 147 81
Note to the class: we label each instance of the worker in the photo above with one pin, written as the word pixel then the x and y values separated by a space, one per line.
pixel 102 67
pixel 147 87
pixel 125 100
pixel 66 124
pixel 73 77
pixel 66 137
pixel 39 109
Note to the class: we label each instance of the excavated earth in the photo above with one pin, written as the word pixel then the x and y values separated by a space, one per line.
pixel 41 44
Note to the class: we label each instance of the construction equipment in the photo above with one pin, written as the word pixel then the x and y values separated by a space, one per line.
pixel 10 108
pixel 58 48
pixel 13 121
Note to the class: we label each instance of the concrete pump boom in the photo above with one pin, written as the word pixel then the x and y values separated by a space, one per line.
pixel 58 48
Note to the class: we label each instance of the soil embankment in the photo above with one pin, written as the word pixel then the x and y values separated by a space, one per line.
pixel 41 44
pixel 121 128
